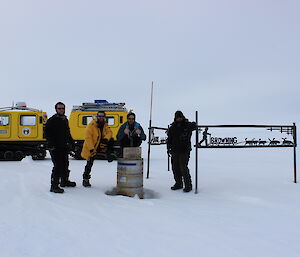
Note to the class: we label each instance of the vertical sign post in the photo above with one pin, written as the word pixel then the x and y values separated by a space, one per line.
pixel 295 144
pixel 168 153
pixel 197 139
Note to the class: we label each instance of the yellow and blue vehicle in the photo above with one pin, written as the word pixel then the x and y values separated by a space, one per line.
pixel 22 132
pixel 116 115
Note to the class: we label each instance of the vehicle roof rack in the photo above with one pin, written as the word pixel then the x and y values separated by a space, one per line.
pixel 100 105
pixel 21 108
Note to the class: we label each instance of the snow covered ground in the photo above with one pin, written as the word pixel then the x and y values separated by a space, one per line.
pixel 247 206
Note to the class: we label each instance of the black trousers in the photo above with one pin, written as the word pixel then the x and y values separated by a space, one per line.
pixel 88 168
pixel 90 162
pixel 60 169
pixel 180 169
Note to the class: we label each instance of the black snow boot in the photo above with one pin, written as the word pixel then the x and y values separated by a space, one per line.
pixel 111 156
pixel 86 180
pixel 176 187
pixel 54 183
pixel 56 189
pixel 188 189
pixel 187 182
pixel 65 182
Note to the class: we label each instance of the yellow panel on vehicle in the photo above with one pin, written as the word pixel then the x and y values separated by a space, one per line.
pixel 22 132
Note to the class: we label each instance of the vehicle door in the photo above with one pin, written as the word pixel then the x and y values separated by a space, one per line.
pixel 28 126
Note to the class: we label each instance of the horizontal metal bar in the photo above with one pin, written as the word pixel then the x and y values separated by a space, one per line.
pixel 245 126
pixel 244 146
pixel 158 128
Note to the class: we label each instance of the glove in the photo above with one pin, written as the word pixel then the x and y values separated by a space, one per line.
pixel 72 153
pixel 104 141
pixel 70 147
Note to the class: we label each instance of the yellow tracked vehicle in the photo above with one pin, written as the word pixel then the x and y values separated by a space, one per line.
pixel 22 132
pixel 81 116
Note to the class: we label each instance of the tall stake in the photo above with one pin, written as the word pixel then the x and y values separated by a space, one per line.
pixel 295 144
pixel 168 153
pixel 150 130
pixel 197 139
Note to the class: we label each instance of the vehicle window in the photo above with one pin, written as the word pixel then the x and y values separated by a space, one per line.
pixel 86 120
pixel 110 121
pixel 28 120
pixel 4 120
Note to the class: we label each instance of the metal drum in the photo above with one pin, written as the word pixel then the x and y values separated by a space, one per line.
pixel 130 177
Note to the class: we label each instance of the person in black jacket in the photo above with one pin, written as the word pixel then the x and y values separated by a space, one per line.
pixel 131 133
pixel 60 142
pixel 179 147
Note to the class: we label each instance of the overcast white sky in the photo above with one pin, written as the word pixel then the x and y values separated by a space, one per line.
pixel 233 61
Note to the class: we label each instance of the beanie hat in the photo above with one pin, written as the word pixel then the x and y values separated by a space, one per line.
pixel 179 114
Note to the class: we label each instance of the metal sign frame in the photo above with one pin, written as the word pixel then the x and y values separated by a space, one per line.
pixel 152 141
pixel 289 129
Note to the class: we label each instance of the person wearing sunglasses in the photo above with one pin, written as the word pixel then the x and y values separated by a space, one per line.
pixel 98 138
pixel 131 133
pixel 60 142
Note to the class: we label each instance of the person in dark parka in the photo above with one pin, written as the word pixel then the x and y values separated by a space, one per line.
pixel 131 133
pixel 60 142
pixel 179 147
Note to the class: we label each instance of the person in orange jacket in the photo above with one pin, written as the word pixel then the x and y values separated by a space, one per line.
pixel 97 136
